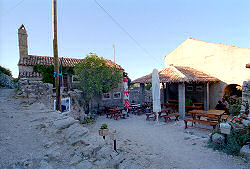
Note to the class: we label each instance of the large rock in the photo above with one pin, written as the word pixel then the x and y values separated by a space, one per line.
pixel 75 133
pixel 218 139
pixel 64 123
pixel 245 151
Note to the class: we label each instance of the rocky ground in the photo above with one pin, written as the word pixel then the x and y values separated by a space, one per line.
pixel 33 136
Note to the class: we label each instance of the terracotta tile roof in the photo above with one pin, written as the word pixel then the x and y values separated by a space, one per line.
pixel 175 74
pixel 32 60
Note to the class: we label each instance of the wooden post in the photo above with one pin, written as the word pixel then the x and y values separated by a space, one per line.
pixel 55 52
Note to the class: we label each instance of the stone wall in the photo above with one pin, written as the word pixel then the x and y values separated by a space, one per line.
pixel 134 96
pixel 99 102
pixel 246 94
pixel 37 91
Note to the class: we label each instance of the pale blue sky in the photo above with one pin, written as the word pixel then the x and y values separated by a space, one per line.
pixel 158 25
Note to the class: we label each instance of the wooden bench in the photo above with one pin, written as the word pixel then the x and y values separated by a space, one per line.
pixel 212 123
pixel 166 117
pixel 151 115
pixel 121 115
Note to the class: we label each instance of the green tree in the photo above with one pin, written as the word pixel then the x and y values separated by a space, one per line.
pixel 96 77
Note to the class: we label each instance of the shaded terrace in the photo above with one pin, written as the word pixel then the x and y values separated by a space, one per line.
pixel 178 83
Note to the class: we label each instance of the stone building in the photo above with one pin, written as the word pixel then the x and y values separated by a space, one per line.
pixel 217 70
pixel 227 63
pixel 27 62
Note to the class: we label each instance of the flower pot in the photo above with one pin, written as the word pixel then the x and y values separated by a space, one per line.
pixel 103 132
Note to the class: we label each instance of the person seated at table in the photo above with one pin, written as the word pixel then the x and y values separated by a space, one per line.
pixel 220 106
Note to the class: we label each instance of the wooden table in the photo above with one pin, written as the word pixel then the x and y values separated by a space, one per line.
pixel 210 117
pixel 171 105
pixel 115 113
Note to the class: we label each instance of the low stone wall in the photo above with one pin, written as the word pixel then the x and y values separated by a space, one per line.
pixel 37 91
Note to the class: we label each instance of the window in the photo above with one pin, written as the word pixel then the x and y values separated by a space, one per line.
pixel 189 88
pixel 106 96
pixel 117 95
pixel 199 88
pixel 75 79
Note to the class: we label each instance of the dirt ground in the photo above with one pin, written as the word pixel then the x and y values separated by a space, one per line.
pixel 140 143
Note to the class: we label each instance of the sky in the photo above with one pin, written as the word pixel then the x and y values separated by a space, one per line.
pixel 143 31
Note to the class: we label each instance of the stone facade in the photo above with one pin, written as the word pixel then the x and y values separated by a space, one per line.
pixel 246 94
pixel 100 101
pixel 134 96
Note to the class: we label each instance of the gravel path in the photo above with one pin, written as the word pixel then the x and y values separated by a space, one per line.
pixel 153 145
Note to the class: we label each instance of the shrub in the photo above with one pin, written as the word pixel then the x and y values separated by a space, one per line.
pixel 234 109
pixel 104 126
pixel 5 71
pixel 235 141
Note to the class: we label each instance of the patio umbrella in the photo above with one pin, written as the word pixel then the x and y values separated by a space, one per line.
pixel 126 93
pixel 156 92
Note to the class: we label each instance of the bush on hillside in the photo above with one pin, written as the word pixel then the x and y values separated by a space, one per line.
pixel 5 71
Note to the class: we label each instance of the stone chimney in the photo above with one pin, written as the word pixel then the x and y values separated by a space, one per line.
pixel 23 42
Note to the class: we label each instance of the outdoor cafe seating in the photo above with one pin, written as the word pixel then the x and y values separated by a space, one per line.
pixel 210 117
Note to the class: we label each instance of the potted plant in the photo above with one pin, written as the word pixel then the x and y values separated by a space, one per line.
pixel 103 131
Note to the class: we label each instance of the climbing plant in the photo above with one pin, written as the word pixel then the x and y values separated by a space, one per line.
pixel 47 72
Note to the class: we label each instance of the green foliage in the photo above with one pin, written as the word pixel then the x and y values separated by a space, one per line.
pixel 89 120
pixel 104 126
pixel 15 80
pixel 5 71
pixel 47 72
pixel 148 86
pixel 96 77
pixel 235 141
pixel 234 109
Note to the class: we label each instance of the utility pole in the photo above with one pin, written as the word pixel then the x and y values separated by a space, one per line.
pixel 114 51
pixel 55 52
